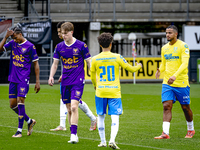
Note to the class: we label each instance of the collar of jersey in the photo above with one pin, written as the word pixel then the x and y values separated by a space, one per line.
pixel 74 39
pixel 23 42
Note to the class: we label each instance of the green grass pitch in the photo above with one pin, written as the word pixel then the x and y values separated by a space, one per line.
pixel 140 123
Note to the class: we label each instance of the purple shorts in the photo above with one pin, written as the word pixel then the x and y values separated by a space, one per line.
pixel 72 92
pixel 18 89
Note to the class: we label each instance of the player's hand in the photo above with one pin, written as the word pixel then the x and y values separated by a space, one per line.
pixel 9 33
pixel 37 87
pixel 95 87
pixel 60 79
pixel 157 73
pixel 139 64
pixel 171 80
pixel 51 81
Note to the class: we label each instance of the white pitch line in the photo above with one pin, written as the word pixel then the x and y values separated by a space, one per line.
pixel 53 133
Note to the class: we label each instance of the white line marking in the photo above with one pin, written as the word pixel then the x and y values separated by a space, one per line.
pixel 53 133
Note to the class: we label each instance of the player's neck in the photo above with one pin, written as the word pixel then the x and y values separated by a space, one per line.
pixel 173 41
pixel 22 41
pixel 105 50
pixel 71 41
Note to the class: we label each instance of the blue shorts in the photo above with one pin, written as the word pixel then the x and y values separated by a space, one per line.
pixel 182 94
pixel 18 89
pixel 71 92
pixel 114 106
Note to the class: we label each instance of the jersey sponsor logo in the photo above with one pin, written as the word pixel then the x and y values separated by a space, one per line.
pixel 70 60
pixel 187 51
pixel 35 55
pixel 170 57
pixel 186 46
pixel 17 57
pixel 23 50
pixel 70 66
pixel 75 51
pixel 106 58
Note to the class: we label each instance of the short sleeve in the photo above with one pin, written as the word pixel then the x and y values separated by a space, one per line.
pixel 185 51
pixel 34 53
pixel 8 46
pixel 56 53
pixel 85 51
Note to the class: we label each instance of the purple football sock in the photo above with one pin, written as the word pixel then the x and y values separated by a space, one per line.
pixel 17 112
pixel 21 111
pixel 73 129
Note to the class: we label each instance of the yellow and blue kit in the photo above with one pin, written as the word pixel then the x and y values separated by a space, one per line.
pixel 174 62
pixel 105 69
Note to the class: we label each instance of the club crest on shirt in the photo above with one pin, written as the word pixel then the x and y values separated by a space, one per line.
pixel 78 93
pixel 175 49
pixel 75 51
pixel 23 50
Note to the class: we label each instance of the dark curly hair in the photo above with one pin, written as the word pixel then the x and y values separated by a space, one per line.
pixel 105 39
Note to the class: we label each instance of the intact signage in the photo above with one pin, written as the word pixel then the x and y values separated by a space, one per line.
pixel 192 37
pixel 148 71
pixel 37 32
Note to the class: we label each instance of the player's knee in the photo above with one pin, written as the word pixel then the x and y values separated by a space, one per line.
pixel 186 108
pixel 12 106
pixel 74 108
pixel 167 106
pixel 20 100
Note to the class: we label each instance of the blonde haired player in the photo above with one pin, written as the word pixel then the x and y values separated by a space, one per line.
pixel 63 109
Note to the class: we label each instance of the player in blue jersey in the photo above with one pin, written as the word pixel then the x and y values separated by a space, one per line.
pixel 72 53
pixel 23 53
pixel 105 78
pixel 174 63
pixel 63 109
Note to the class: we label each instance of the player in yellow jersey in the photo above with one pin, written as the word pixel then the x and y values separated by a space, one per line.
pixel 175 57
pixel 105 78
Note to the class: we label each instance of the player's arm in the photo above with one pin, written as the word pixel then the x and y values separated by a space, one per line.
pixel 133 69
pixel 8 33
pixel 127 66
pixel 88 61
pixel 37 75
pixel 183 66
pixel 53 71
pixel 93 73
pixel 93 79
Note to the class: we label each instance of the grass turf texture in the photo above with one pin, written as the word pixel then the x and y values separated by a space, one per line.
pixel 140 123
